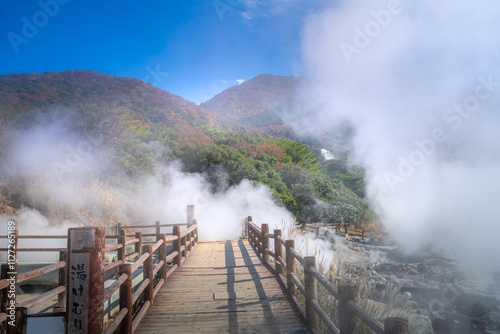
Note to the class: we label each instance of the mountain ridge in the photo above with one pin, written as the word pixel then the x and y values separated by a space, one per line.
pixel 23 93
pixel 256 106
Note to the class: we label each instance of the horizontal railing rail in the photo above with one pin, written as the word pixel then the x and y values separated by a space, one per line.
pixel 16 313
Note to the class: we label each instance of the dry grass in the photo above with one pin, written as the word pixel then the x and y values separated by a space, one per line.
pixel 380 305
pixel 95 200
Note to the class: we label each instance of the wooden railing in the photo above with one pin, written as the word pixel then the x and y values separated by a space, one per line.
pixel 155 274
pixel 81 276
pixel 11 310
pixel 348 311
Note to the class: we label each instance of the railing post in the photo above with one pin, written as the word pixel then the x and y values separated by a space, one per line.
pixel 195 222
pixel 253 242
pixel 347 320
pixel 190 215
pixel 249 230
pixel 245 228
pixel 394 325
pixel 8 302
pixel 157 230
pixel 177 246
pixel 278 252
pixel 183 243
pixel 126 299
pixel 162 256
pixel 250 235
pixel 259 242
pixel 138 245
pixel 85 289
pixel 118 229
pixel 311 292
pixel 147 271
pixel 122 252
pixel 290 267
pixel 21 321
pixel 265 242
pixel 61 298
pixel 189 238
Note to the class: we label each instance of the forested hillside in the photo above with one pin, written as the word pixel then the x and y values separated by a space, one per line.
pixel 278 106
pixel 24 93
pixel 290 168
pixel 135 130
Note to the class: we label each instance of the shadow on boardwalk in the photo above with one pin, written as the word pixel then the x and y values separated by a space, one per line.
pixel 222 288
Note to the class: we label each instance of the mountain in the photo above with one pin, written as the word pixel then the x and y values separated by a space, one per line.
pixel 279 106
pixel 264 93
pixel 259 104
pixel 265 105
pixel 23 93
pixel 117 132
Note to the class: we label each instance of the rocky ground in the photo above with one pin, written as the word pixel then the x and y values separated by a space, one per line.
pixel 445 299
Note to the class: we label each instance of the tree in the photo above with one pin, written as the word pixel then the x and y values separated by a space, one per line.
pixel 300 154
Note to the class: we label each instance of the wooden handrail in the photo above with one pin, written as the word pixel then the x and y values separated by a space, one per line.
pixel 283 264
pixel 189 230
pixel 131 256
pixel 118 320
pixel 348 310
pixel 270 252
pixel 113 265
pixel 153 226
pixel 131 241
pixel 325 283
pixel 40 271
pixel 150 234
pixel 297 282
pixel 40 299
pixel 33 236
pixel 139 262
pixel 172 255
pixel 34 249
pixel 157 245
pixel 158 267
pixel 374 325
pixel 140 290
pixel 297 256
pixel 4 284
pixel 113 287
pixel 172 238
pixel 325 318
pixel 112 248
pixel 281 240
pixel 81 263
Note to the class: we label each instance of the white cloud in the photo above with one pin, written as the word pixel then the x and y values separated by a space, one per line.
pixel 263 8
pixel 240 81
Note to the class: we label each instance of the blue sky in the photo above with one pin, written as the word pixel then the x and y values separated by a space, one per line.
pixel 194 49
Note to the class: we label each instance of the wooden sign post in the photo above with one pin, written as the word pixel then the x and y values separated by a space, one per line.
pixel 85 289
pixel 190 215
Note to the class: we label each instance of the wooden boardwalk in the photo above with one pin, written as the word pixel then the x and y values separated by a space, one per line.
pixel 222 288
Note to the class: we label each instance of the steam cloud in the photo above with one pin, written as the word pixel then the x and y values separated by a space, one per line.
pixel 421 82
pixel 63 173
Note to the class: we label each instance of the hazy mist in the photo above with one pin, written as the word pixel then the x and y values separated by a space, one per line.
pixel 420 80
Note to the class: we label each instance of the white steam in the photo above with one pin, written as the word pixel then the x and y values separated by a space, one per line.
pixel 327 155
pixel 63 174
pixel 421 82
pixel 31 222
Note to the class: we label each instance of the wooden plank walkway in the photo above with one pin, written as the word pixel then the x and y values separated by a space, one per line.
pixel 222 288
